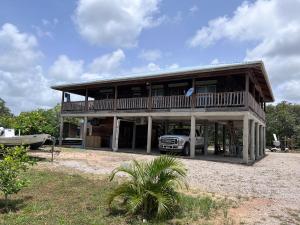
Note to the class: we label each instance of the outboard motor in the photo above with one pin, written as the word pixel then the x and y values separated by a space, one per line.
pixel 2 131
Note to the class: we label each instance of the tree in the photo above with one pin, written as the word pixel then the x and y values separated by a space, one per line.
pixel 15 161
pixel 151 188
pixel 283 120
pixel 39 121
pixel 4 110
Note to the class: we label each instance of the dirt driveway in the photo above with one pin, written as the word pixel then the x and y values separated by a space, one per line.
pixel 269 191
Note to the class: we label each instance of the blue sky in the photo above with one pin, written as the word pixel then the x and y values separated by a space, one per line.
pixel 51 42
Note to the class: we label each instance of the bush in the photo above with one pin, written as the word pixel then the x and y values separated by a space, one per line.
pixel 14 161
pixel 152 187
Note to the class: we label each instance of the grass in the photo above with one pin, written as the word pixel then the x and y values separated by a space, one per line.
pixel 61 198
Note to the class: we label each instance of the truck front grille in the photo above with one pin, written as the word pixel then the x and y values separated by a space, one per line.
pixel 170 141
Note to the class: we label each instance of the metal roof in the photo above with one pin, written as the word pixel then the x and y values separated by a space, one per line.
pixel 171 73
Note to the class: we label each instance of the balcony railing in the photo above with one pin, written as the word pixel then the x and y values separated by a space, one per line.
pixel 201 100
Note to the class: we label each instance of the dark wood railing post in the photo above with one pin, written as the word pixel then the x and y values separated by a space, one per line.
pixel 115 99
pixel 86 104
pixel 247 91
pixel 194 94
pixel 62 101
pixel 150 97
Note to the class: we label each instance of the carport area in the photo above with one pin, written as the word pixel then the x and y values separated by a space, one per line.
pixel 230 137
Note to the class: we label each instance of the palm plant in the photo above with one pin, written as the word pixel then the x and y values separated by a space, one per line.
pixel 151 189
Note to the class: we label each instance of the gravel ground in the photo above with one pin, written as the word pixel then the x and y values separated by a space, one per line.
pixel 269 191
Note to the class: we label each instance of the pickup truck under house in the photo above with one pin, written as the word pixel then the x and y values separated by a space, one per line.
pixel 133 112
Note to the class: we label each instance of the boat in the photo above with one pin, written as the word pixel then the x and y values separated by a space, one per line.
pixel 8 138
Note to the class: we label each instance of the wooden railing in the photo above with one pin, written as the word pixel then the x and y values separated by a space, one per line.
pixel 77 106
pixel 170 102
pixel 255 107
pixel 222 99
pixel 200 100
pixel 132 103
pixel 105 104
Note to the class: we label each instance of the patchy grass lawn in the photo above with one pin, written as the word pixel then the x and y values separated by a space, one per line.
pixel 62 198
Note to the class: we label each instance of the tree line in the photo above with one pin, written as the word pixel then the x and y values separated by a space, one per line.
pixel 283 119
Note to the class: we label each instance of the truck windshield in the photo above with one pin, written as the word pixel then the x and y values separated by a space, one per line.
pixel 185 132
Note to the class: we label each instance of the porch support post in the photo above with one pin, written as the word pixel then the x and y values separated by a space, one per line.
pixel 149 134
pixel 86 102
pixel 61 130
pixel 205 138
pixel 261 141
pixel 84 132
pixel 257 141
pixel 245 138
pixel 133 135
pixel 216 137
pixel 264 137
pixel 193 131
pixel 224 138
pixel 114 147
pixel 252 139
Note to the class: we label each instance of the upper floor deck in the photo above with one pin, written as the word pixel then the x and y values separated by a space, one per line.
pixel 235 88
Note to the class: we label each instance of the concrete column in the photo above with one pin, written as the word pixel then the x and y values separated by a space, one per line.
pixel 192 136
pixel 114 134
pixel 205 138
pixel 264 137
pixel 257 141
pixel 245 138
pixel 133 135
pixel 216 137
pixel 252 141
pixel 149 134
pixel 260 141
pixel 61 130
pixel 224 138
pixel 84 132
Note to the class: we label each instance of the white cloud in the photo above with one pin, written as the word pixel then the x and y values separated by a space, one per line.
pixel 17 50
pixel 22 82
pixel 65 69
pixel 194 9
pixel 215 61
pixel 274 28
pixel 153 67
pixel 116 23
pixel 151 54
pixel 107 63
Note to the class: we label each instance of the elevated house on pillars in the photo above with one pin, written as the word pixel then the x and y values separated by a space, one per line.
pixel 228 102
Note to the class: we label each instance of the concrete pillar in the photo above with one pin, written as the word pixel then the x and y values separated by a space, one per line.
pixel 216 137
pixel 205 138
pixel 84 132
pixel 245 138
pixel 133 135
pixel 264 137
pixel 149 134
pixel 252 140
pixel 257 141
pixel 61 130
pixel 224 138
pixel 114 134
pixel 260 141
pixel 192 136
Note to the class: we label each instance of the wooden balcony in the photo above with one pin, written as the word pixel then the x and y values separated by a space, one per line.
pixel 224 101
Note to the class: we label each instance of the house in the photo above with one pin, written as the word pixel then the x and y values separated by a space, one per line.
pixel 132 112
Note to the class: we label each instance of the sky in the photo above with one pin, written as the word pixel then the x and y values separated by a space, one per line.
pixel 44 43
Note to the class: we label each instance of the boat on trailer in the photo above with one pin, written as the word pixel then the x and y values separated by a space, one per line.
pixel 8 138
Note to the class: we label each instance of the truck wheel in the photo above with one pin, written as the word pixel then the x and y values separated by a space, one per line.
pixel 186 149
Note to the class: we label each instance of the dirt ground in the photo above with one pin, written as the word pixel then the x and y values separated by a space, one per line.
pixel 268 192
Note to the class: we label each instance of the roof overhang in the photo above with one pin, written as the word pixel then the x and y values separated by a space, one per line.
pixel 230 69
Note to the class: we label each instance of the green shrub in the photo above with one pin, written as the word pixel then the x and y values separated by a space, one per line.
pixel 15 160
pixel 152 187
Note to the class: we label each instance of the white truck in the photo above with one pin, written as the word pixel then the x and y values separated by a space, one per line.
pixel 178 140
